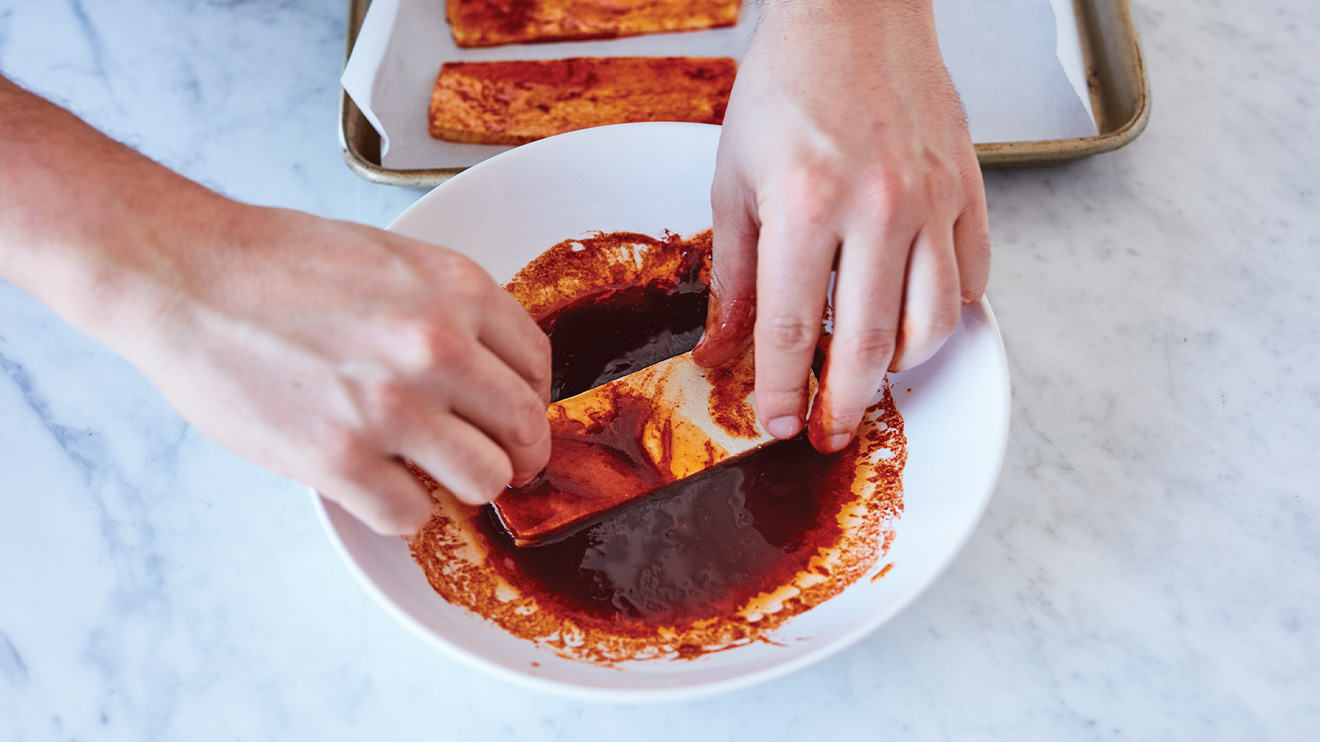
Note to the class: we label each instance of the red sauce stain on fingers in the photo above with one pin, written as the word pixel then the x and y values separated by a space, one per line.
pixel 729 328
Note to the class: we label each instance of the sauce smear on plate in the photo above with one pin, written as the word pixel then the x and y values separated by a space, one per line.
pixel 700 565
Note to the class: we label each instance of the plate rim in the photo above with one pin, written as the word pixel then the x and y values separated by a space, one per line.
pixel 696 689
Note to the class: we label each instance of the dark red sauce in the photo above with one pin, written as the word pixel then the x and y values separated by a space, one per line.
pixel 612 334
pixel 637 582
pixel 697 548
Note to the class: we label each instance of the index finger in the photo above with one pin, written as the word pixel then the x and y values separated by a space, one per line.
pixel 793 276
pixel 509 332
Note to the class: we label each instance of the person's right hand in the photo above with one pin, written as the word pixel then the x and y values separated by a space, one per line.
pixel 330 352
pixel 845 151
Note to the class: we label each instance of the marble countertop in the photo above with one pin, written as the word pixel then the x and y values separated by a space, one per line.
pixel 1149 566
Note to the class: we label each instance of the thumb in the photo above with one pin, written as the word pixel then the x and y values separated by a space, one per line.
pixel 731 312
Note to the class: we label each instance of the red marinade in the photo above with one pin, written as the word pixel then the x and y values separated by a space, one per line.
pixel 699 547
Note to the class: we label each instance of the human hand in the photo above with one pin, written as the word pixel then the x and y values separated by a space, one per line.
pixel 844 146
pixel 325 351
pixel 330 352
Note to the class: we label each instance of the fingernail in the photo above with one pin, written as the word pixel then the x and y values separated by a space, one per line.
pixel 525 482
pixel 837 441
pixel 784 427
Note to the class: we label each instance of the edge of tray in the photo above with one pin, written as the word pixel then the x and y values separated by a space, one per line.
pixel 1116 76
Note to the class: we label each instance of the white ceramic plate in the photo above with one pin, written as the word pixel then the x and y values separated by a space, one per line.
pixel 648 178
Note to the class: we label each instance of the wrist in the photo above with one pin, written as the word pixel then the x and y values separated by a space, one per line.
pixel 815 10
pixel 112 256
pixel 158 259
pixel 89 227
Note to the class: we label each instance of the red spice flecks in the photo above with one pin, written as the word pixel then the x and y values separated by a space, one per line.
pixel 578 270
pixel 730 397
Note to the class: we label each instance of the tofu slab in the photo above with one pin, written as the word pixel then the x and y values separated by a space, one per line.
pixel 496 22
pixel 519 101
pixel 625 439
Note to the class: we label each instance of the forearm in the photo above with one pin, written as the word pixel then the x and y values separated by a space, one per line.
pixel 88 226
pixel 864 35
pixel 322 350
pixel 811 12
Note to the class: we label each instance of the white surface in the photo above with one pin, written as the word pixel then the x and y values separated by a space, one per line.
pixel 1068 48
pixel 1145 569
pixel 506 211
pixel 1019 79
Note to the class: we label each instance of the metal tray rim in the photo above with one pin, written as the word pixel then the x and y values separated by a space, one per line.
pixel 990 155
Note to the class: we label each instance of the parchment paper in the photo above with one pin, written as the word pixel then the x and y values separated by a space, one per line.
pixel 1016 63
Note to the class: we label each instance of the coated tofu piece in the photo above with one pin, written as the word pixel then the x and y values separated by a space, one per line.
pixel 515 102
pixel 496 22
pixel 627 438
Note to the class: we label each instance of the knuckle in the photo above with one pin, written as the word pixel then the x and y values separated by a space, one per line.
pixel 834 413
pixel 790 334
pixel 944 322
pixel 414 343
pixel 842 420
pixel 446 344
pixel 426 344
pixel 781 396
pixel 772 403
pixel 486 484
pixel 394 516
pixel 344 450
pixel 888 191
pixel 391 400
pixel 477 477
pixel 813 193
pixel 530 426
pixel 477 284
pixel 542 357
pixel 920 340
pixel 463 280
pixel 461 269
pixel 870 348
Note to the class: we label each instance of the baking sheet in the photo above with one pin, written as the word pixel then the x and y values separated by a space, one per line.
pixel 1021 78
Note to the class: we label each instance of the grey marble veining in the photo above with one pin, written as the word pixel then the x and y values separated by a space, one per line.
pixel 1149 567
